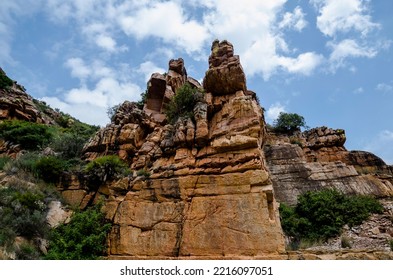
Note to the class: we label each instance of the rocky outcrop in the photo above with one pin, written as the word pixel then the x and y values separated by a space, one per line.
pixel 317 159
pixel 200 187
pixel 225 74
pixel 15 103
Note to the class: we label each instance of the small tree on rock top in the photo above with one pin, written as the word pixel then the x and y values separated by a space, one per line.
pixel 289 122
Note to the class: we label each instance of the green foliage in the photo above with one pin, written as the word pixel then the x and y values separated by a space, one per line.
pixel 322 214
pixel 68 142
pixel 83 130
pixel 27 251
pixel 23 164
pixel 182 104
pixel 289 122
pixel 68 146
pixel 105 168
pixel 50 168
pixel 391 244
pixel 30 136
pixel 143 172
pixel 83 238
pixel 5 81
pixel 22 213
pixel 3 162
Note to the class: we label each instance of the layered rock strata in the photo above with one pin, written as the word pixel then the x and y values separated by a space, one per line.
pixel 204 191
pixel 317 159
pixel 15 103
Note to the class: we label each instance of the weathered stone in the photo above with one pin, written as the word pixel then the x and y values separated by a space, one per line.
pixel 323 162
pixel 225 74
pixel 155 92
pixel 219 226
pixel 57 214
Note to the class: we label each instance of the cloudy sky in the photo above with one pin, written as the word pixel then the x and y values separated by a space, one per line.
pixel 328 60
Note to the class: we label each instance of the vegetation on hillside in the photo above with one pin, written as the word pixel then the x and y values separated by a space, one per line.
pixel 30 136
pixel 47 151
pixel 321 215
pixel 23 211
pixel 83 238
pixel 5 82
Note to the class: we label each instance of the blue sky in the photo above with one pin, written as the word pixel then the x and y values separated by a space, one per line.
pixel 328 60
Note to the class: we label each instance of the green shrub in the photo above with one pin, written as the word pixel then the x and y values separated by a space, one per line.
pixel 50 168
pixel 391 244
pixel 104 169
pixel 68 146
pixel 3 162
pixel 23 164
pixel 30 136
pixel 22 213
pixel 143 172
pixel 27 251
pixel 182 104
pixel 322 214
pixel 82 130
pixel 289 122
pixel 4 80
pixel 82 238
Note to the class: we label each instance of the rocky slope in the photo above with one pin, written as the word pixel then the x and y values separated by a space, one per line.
pixel 16 104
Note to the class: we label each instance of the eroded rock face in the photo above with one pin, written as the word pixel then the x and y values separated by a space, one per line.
pixel 225 74
pixel 208 193
pixel 317 159
pixel 15 103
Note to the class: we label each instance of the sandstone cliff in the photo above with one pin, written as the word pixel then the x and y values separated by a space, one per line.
pixel 317 159
pixel 208 193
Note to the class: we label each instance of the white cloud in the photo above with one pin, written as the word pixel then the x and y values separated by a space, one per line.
pixel 78 68
pixel 90 104
pixel 303 64
pixel 101 87
pixel 359 90
pixel 147 68
pixel 382 145
pixel 274 111
pixel 165 20
pixel 348 48
pixel 384 87
pixel 341 16
pixel 294 20
pixel 106 42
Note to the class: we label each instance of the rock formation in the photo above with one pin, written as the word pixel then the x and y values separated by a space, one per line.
pixel 317 159
pixel 208 193
pixel 15 103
